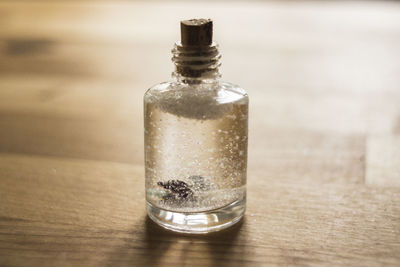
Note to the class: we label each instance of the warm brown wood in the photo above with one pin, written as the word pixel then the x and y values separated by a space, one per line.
pixel 324 151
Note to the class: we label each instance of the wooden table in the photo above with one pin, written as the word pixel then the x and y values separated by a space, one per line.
pixel 324 151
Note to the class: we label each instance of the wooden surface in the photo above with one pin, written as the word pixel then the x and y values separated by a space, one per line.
pixel 324 151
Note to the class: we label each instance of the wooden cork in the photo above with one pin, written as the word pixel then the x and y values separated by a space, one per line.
pixel 196 32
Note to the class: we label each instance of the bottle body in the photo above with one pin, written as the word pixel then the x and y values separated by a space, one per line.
pixel 196 154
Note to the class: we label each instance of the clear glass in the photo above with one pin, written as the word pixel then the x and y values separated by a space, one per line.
pixel 196 154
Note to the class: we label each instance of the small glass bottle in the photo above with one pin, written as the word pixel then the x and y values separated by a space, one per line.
pixel 196 140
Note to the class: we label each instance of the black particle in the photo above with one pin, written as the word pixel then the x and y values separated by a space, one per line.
pixel 178 190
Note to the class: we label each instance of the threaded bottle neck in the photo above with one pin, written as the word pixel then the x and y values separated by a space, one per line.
pixel 196 63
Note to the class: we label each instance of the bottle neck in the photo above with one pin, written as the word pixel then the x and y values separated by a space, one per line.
pixel 196 64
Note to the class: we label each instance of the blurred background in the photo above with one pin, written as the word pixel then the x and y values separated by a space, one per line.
pixel 323 76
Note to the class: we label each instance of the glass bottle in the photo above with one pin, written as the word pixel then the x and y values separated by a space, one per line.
pixel 196 140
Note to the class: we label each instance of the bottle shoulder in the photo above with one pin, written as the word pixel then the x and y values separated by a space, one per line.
pixel 199 101
pixel 234 89
pixel 221 91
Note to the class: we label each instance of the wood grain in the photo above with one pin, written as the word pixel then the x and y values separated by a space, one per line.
pixel 323 178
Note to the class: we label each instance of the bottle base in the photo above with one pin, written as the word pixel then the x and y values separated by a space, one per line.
pixel 198 222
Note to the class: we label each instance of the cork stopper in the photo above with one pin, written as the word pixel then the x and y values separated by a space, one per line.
pixel 196 32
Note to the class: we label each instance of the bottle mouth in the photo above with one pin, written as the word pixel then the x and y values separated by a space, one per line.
pixel 196 61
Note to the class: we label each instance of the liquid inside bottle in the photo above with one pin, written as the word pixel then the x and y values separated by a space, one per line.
pixel 196 157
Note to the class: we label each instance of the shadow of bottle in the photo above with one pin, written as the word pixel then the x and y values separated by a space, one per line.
pixel 163 246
